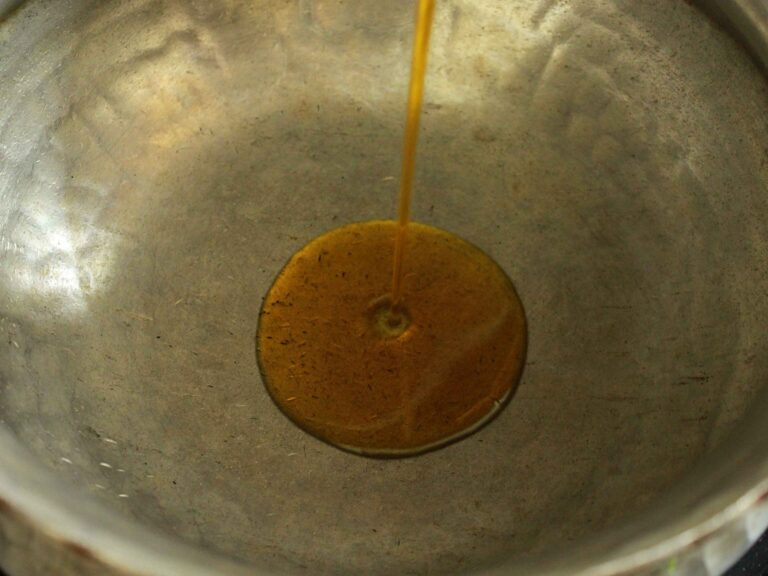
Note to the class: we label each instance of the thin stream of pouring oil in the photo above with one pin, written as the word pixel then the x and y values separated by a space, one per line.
pixel 415 95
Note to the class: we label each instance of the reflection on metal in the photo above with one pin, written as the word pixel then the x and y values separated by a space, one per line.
pixel 161 159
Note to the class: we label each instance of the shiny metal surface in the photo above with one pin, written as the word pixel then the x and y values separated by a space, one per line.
pixel 160 161
pixel 747 20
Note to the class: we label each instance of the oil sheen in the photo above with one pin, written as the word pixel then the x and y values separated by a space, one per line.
pixel 350 368
pixel 391 338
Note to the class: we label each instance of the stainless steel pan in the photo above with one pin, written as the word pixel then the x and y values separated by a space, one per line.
pixel 159 162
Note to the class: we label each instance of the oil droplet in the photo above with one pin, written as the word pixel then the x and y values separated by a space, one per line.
pixel 352 369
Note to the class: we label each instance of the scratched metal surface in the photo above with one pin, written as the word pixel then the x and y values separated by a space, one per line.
pixel 160 160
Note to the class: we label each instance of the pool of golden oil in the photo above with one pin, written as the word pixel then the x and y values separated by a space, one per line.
pixel 389 337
